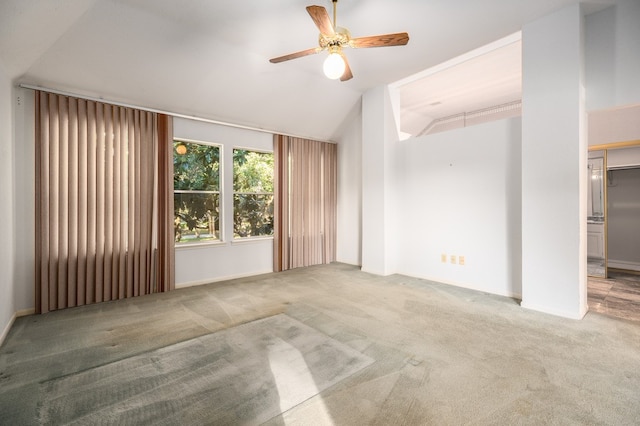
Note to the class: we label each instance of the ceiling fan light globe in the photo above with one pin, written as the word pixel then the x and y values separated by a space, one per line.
pixel 334 66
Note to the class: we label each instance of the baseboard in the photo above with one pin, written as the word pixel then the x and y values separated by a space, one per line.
pixel 5 332
pixel 379 272
pixel 507 293
pixel 25 312
pixel 219 279
pixel 556 312
pixel 622 264
pixel 20 313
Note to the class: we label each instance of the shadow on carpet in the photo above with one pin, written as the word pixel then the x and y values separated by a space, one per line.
pixel 246 374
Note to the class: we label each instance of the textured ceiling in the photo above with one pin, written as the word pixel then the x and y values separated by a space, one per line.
pixel 209 58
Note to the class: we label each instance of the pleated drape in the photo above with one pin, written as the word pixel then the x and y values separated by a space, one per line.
pixel 305 202
pixel 101 202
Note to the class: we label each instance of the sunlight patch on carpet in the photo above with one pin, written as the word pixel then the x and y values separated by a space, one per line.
pixel 245 374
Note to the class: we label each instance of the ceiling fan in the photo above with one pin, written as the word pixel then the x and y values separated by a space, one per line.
pixel 333 39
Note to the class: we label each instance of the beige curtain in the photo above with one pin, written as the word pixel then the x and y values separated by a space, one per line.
pixel 305 202
pixel 104 202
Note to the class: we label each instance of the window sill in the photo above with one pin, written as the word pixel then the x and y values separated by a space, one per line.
pixel 240 241
pixel 248 240
pixel 199 245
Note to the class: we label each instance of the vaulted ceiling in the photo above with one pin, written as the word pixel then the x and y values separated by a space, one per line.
pixel 210 58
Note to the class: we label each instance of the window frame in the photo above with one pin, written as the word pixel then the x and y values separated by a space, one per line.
pixel 219 192
pixel 235 239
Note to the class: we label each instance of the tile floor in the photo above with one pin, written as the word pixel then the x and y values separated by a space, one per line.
pixel 617 296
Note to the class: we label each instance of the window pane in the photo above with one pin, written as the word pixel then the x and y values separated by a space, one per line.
pixel 196 166
pixel 253 215
pixel 196 217
pixel 253 193
pixel 252 171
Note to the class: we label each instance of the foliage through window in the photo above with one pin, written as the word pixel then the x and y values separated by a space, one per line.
pixel 196 184
pixel 252 193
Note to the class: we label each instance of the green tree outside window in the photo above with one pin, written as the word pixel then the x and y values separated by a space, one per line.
pixel 252 193
pixel 196 184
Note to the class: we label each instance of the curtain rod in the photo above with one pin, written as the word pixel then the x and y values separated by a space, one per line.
pixel 160 111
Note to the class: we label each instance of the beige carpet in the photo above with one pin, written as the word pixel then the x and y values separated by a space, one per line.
pixel 441 355
pixel 245 374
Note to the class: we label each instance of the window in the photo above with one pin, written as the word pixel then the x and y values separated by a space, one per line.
pixel 252 193
pixel 196 184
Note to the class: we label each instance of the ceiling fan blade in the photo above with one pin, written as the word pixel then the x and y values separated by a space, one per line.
pixel 348 75
pixel 321 18
pixel 294 55
pixel 397 39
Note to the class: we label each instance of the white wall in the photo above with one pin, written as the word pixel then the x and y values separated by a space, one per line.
pixel 554 153
pixel 24 202
pixel 554 158
pixel 8 236
pixel 612 56
pixel 459 194
pixel 349 228
pixel 379 136
pixel 373 182
pixel 227 259
pixel 454 193
pixel 621 124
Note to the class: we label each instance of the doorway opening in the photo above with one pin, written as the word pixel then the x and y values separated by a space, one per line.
pixel 613 239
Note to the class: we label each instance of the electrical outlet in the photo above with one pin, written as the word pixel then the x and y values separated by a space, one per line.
pixel 461 260
pixel 453 259
pixel 443 258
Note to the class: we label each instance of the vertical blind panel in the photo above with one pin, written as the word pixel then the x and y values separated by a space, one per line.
pixel 306 199
pixel 133 176
pixel 54 182
pixel 63 207
pixel 281 204
pixel 90 255
pixel 165 206
pixel 96 172
pixel 42 203
pixel 72 193
pixel 98 190
pixel 83 206
pixel 330 191
pixel 108 203
pixel 137 218
pixel 116 212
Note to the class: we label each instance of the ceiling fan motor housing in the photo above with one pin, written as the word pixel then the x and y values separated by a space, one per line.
pixel 342 37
